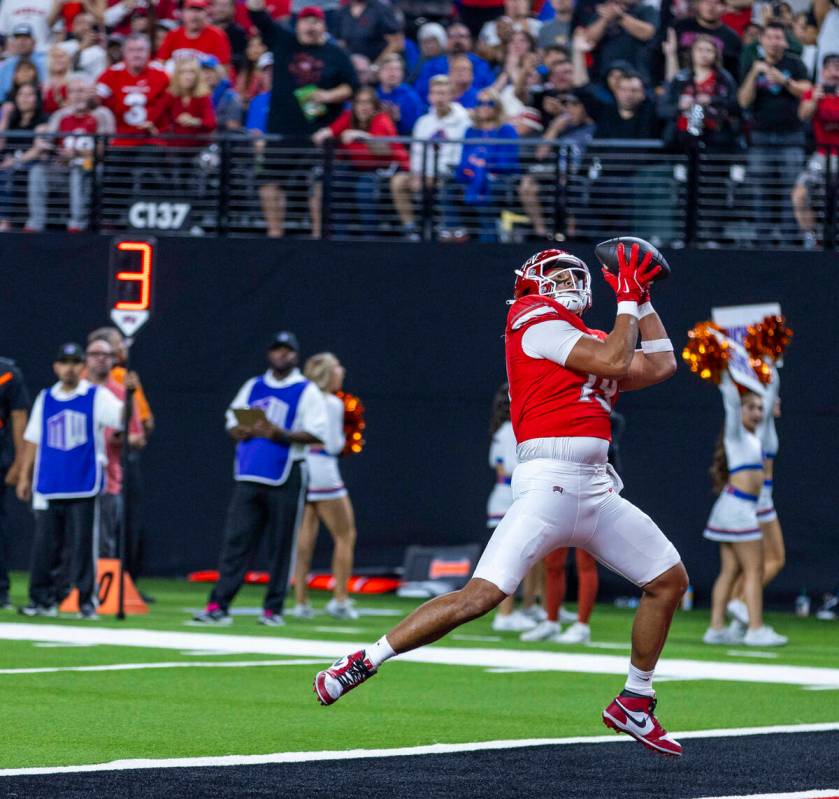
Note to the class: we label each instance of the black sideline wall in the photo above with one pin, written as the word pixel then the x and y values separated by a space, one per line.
pixel 419 329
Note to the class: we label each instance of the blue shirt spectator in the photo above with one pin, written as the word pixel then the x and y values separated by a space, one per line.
pixel 21 46
pixel 481 165
pixel 399 99
pixel 226 103
pixel 257 118
pixel 459 42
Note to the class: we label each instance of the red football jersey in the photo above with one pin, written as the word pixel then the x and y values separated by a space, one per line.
pixel 132 99
pixel 77 130
pixel 548 400
pixel 211 41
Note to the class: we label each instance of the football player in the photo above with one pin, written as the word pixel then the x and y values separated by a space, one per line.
pixel 564 378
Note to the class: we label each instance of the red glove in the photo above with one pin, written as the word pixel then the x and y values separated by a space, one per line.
pixel 612 279
pixel 634 278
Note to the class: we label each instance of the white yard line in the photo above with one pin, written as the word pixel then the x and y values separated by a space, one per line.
pixel 188 664
pixel 532 660
pixel 432 749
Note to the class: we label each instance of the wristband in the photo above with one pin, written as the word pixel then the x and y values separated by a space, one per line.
pixel 657 345
pixel 645 309
pixel 629 307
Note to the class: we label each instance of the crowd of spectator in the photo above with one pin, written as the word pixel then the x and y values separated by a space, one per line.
pixel 747 77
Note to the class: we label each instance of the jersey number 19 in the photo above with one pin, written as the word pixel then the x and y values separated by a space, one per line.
pixel 600 389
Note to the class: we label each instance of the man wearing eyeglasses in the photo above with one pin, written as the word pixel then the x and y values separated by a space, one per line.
pixel 100 359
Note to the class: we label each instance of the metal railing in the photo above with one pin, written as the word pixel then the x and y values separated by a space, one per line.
pixel 486 190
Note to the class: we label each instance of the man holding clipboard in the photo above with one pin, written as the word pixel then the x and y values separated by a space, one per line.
pixel 273 418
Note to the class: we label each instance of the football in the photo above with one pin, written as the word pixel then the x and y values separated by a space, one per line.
pixel 607 254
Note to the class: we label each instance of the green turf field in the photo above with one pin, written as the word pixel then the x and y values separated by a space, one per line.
pixel 71 717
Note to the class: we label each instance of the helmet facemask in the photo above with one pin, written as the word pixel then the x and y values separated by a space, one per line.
pixel 569 286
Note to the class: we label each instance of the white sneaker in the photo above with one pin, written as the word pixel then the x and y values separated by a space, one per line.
pixel 345 611
pixel 577 633
pixel 541 632
pixel 736 631
pixel 713 636
pixel 515 622
pixel 567 616
pixel 737 609
pixel 764 636
pixel 304 611
pixel 535 612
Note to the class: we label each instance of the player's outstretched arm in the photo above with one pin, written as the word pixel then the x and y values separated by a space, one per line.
pixel 655 361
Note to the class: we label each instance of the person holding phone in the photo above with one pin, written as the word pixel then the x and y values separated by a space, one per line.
pixel 820 107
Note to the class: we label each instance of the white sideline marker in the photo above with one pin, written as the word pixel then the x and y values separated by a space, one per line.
pixel 431 749
pixel 532 660
pixel 179 664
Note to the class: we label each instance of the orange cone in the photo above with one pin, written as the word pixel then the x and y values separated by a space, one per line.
pixel 107 578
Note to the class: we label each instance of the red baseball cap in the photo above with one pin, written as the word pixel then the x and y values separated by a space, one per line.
pixel 312 11
pixel 196 4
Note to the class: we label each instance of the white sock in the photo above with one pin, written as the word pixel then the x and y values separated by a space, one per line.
pixel 380 652
pixel 640 682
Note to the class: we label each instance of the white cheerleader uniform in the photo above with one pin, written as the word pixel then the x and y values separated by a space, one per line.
pixel 769 439
pixel 734 515
pixel 322 460
pixel 502 452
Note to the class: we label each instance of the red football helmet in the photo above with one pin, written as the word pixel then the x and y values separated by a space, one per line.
pixel 540 274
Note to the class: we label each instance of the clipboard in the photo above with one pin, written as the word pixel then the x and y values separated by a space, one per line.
pixel 247 417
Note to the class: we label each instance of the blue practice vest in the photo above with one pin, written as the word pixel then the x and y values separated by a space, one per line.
pixel 67 465
pixel 259 460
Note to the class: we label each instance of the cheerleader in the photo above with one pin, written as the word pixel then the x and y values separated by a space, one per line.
pixel 774 554
pixel 502 458
pixel 738 477
pixel 327 499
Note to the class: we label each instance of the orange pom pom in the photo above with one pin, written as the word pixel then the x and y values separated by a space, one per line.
pixel 768 339
pixel 354 423
pixel 704 353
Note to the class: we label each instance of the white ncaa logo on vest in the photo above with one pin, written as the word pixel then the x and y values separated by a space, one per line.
pixel 276 411
pixel 67 430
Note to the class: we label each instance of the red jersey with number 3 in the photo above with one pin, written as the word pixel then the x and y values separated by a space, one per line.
pixel 548 400
pixel 132 99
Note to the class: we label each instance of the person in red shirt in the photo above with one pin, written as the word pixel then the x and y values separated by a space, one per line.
pixel 820 106
pixel 68 10
pixel 132 90
pixel 564 378
pixel 187 108
pixel 196 38
pixel 54 90
pixel 361 159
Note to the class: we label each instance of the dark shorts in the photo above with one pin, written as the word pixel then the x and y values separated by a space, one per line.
pixel 288 166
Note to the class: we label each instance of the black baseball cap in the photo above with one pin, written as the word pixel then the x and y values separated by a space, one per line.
pixel 285 338
pixel 70 352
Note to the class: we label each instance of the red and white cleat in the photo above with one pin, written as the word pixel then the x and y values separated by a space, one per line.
pixel 634 716
pixel 342 676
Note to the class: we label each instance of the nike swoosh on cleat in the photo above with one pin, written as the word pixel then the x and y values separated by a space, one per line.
pixel 644 726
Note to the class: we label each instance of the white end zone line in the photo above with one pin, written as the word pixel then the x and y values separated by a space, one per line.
pixel 828 794
pixel 431 749
pixel 530 660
